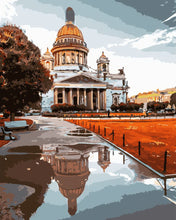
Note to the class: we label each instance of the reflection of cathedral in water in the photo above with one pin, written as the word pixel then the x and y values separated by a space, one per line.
pixel 104 157
pixel 71 169
pixel 71 174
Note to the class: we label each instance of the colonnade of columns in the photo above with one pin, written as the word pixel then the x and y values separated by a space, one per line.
pixel 70 57
pixel 93 98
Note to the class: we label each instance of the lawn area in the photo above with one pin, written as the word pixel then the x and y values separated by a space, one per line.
pixel 156 136
pixel 112 114
pixel 2 120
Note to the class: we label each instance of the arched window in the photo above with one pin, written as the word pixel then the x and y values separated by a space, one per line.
pixel 104 67
pixel 115 99
pixel 85 59
pixel 48 65
pixel 60 97
pixel 73 58
pixel 55 59
pixel 63 58
pixel 77 60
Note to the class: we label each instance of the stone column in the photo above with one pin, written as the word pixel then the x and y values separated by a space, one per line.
pixel 85 98
pixel 56 59
pixel 104 99
pixel 77 96
pixel 91 99
pixel 63 95
pixel 55 96
pixel 71 96
pixel 98 99
pixel 60 62
pixel 126 97
pixel 78 57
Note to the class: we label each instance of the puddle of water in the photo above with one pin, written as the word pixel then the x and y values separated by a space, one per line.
pixel 80 132
pixel 26 149
pixel 69 180
pixel 49 128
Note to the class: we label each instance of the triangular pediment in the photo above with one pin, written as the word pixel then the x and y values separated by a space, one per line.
pixel 81 79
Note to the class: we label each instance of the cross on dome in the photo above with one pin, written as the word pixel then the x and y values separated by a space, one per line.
pixel 70 15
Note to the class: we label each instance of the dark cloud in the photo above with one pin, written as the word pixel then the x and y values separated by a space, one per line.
pixel 110 12
pixel 159 9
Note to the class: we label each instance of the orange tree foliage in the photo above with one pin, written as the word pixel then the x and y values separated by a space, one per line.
pixel 25 77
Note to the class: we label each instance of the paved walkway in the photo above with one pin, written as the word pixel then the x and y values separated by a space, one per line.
pixel 50 131
pixel 117 191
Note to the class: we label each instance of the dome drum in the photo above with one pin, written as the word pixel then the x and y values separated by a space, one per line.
pixel 70 56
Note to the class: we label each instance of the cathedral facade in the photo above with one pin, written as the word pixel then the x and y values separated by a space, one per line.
pixel 73 82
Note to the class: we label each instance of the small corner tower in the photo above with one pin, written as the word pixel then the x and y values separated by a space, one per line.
pixel 47 60
pixel 102 65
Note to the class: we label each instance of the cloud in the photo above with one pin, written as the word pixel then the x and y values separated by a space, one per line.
pixel 7 9
pixel 169 18
pixel 143 74
pixel 158 37
pixel 41 37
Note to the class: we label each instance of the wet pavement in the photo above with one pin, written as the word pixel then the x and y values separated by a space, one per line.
pixel 49 174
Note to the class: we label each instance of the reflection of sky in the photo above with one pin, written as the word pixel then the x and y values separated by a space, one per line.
pixel 101 188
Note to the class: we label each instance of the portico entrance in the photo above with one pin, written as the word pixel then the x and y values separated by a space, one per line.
pixel 93 99
pixel 81 89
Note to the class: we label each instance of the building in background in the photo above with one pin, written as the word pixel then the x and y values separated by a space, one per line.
pixel 74 83
pixel 157 96
pixel 47 60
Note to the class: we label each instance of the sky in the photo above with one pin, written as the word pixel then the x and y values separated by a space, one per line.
pixel 138 35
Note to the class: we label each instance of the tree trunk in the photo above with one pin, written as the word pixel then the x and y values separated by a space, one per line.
pixel 12 116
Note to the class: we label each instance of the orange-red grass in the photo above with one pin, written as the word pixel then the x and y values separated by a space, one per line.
pixel 156 136
pixel 115 114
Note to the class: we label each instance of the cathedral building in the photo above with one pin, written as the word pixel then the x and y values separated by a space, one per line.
pixel 73 82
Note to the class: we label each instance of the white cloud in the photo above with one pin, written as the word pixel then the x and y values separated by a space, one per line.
pixel 158 37
pixel 7 9
pixel 41 37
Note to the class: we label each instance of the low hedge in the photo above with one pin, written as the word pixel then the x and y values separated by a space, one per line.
pixel 67 107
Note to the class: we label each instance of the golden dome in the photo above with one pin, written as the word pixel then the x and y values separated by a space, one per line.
pixel 70 30
pixel 102 55
pixel 47 52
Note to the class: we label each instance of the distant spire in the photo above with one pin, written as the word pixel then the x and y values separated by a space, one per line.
pixel 70 15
